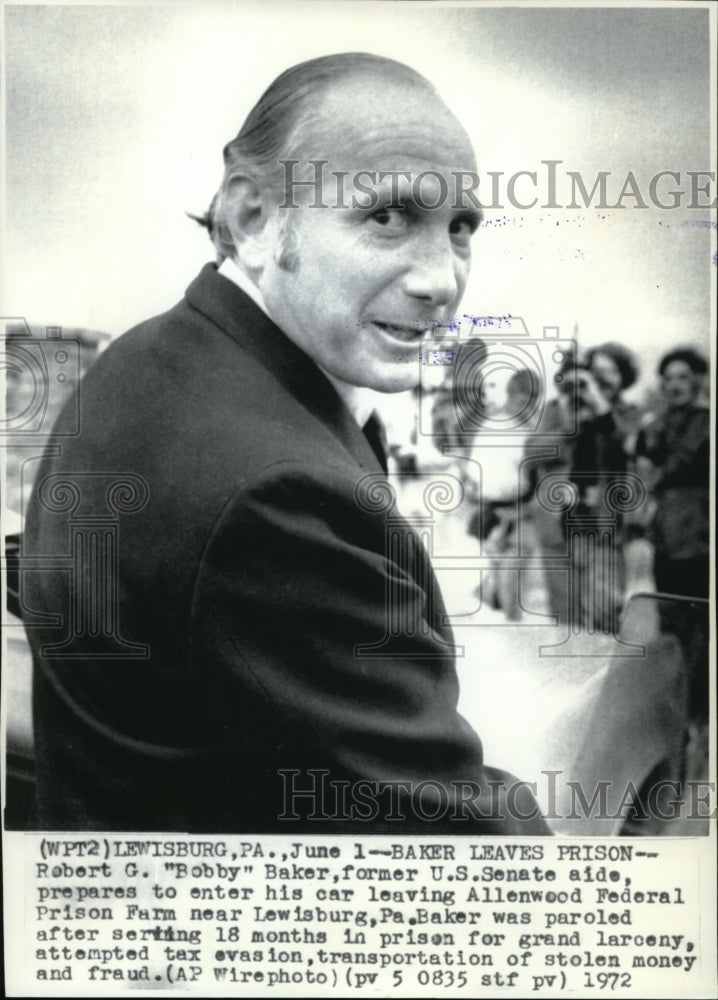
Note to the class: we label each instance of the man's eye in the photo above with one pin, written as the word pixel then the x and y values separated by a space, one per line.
pixel 462 230
pixel 392 218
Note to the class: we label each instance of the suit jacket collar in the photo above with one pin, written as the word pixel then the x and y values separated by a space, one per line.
pixel 226 306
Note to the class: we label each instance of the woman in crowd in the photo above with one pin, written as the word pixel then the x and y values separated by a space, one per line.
pixel 595 455
pixel 673 455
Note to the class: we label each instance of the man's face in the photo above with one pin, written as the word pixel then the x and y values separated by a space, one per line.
pixel 493 391
pixel 371 280
pixel 517 400
pixel 679 384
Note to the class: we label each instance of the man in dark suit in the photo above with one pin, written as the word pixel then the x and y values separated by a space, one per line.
pixel 229 642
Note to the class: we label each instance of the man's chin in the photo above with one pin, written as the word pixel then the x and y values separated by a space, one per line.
pixel 390 382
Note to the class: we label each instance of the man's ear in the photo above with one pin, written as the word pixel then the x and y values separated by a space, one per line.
pixel 246 217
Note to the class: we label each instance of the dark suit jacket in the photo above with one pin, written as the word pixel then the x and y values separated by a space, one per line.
pixel 207 612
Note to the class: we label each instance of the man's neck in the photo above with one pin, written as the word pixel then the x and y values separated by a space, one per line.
pixel 358 400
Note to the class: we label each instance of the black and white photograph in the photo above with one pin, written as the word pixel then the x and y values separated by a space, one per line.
pixel 358 498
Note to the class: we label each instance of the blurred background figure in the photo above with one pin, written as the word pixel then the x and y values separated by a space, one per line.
pixel 607 432
pixel 591 394
pixel 673 456
pixel 506 492
pixel 430 430
pixel 498 487
pixel 440 414
pixel 607 425
pixel 461 411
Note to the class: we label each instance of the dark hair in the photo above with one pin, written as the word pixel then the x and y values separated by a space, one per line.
pixel 695 361
pixel 525 382
pixel 623 359
pixel 277 124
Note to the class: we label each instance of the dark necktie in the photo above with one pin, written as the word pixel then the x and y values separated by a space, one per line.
pixel 376 436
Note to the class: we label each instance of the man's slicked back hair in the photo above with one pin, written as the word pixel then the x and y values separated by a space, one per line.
pixel 280 124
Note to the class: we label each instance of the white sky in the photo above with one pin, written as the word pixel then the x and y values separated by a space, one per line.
pixel 116 117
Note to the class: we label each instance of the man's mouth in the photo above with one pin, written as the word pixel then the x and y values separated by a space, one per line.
pixel 404 332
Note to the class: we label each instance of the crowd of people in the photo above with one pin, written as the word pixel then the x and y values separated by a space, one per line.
pixel 590 483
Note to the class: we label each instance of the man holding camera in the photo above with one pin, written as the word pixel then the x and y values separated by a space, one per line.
pixel 597 455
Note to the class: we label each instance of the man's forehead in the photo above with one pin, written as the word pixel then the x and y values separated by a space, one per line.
pixel 378 123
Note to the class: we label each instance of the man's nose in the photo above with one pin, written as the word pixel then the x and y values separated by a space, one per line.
pixel 434 274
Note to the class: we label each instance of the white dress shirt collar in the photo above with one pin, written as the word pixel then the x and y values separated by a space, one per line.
pixel 230 270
